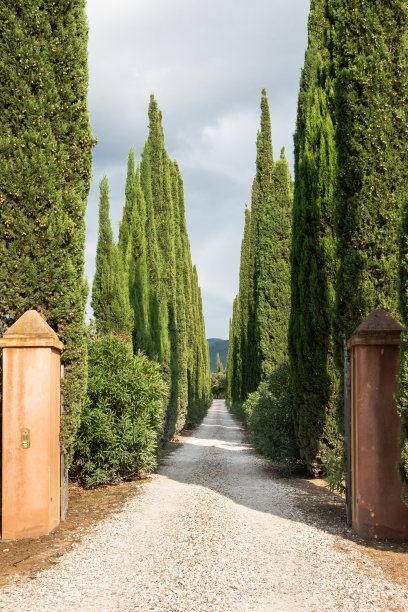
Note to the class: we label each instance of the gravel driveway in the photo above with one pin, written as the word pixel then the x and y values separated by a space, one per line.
pixel 212 531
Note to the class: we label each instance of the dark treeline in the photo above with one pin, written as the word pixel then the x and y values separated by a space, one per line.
pixel 145 286
pixel 348 241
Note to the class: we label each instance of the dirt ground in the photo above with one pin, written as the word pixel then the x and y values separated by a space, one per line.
pixel 329 512
pixel 86 507
pixel 89 506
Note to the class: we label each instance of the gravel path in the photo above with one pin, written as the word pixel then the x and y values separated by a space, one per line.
pixel 212 531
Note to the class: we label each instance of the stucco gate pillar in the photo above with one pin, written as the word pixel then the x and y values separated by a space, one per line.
pixel 377 509
pixel 31 418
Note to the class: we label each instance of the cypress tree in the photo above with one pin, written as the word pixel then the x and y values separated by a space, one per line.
pixel 163 210
pixel 180 241
pixel 263 312
pixel 273 270
pixel 229 362
pixel 258 330
pixel 371 98
pixel 138 274
pixel 219 366
pixel 157 327
pixel 234 363
pixel 110 291
pixel 132 245
pixel 163 285
pixel 400 57
pixel 130 204
pixel 205 371
pixel 313 261
pixel 371 91
pixel 245 325
pixel 46 162
pixel 402 397
pixel 261 199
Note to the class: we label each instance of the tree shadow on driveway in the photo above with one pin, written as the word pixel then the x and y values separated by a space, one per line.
pixel 218 456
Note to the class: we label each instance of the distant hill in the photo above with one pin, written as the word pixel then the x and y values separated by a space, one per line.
pixel 217 346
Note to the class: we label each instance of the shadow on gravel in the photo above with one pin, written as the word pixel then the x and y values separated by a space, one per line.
pixel 231 467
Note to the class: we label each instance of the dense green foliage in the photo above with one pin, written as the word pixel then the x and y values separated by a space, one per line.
pixel 160 281
pixel 272 303
pixel 110 291
pixel 258 330
pixel 371 97
pixel 313 260
pixel 122 415
pixel 218 384
pixel 45 143
pixel 234 366
pixel 268 415
pixel 371 117
pixel 402 397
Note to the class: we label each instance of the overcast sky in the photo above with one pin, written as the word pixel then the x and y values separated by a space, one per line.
pixel 206 63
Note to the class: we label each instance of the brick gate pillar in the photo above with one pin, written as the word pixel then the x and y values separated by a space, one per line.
pixel 31 415
pixel 377 509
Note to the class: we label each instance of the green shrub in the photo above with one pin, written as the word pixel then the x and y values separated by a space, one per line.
pixel 268 414
pixel 122 415
pixel 237 410
pixel 334 468
pixel 218 384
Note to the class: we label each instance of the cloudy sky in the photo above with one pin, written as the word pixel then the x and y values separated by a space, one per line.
pixel 206 63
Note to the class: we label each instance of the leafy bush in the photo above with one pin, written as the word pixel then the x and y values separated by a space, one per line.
pixel 218 384
pixel 122 415
pixel 237 410
pixel 268 415
pixel 334 468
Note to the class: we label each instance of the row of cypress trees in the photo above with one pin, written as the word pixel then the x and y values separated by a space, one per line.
pixel 45 143
pixel 258 329
pixel 349 221
pixel 146 287
pixel 350 187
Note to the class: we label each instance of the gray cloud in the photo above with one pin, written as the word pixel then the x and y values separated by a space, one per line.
pixel 206 63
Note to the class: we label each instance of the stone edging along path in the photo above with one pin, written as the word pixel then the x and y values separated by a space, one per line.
pixel 213 530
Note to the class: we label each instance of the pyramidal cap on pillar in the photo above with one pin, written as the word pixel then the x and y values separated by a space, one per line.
pixel 378 328
pixel 30 330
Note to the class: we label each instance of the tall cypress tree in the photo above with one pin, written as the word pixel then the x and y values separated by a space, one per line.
pixel 313 261
pixel 398 108
pixel 130 204
pixel 273 271
pixel 234 359
pixel 163 212
pixel 110 291
pixel 157 326
pixel 132 246
pixel 244 327
pixel 180 242
pixel 46 162
pixel 260 325
pixel 371 86
pixel 175 310
pixel 261 199
pixel 402 398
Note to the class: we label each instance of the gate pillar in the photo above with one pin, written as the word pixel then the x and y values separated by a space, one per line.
pixel 31 418
pixel 377 509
